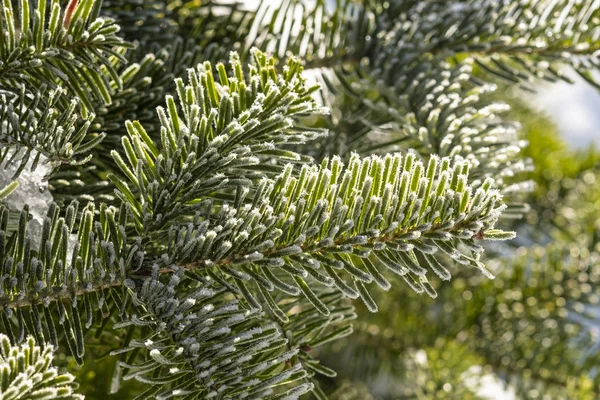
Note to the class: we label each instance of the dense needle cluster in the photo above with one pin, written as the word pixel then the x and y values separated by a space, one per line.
pixel 226 180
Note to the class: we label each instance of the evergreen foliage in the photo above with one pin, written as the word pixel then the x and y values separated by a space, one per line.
pixel 27 373
pixel 227 180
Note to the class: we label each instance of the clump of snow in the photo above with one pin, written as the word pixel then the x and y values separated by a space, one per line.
pixel 32 190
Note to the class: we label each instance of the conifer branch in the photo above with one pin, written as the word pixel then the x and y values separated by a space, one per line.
pixel 27 371
pixel 212 347
pixel 37 133
pixel 225 132
pixel 249 215
pixel 79 53
pixel 63 276
pixel 377 212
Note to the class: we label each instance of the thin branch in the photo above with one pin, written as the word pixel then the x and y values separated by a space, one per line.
pixel 57 293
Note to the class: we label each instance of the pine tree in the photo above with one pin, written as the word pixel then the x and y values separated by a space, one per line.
pixel 196 196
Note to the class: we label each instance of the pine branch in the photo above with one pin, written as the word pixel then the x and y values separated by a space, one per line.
pixel 65 276
pixel 78 54
pixel 37 132
pixel 213 347
pixel 511 41
pixel 224 136
pixel 26 371
pixel 377 211
pixel 439 112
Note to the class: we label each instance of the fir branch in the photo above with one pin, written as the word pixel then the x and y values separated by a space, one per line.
pixel 213 347
pixel 43 287
pixel 37 131
pixel 492 32
pixel 377 211
pixel 27 371
pixel 58 293
pixel 232 256
pixel 79 54
pixel 437 112
pixel 223 135
pixel 143 21
pixel 319 35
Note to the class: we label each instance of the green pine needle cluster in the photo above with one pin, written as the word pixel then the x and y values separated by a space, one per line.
pixel 226 181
